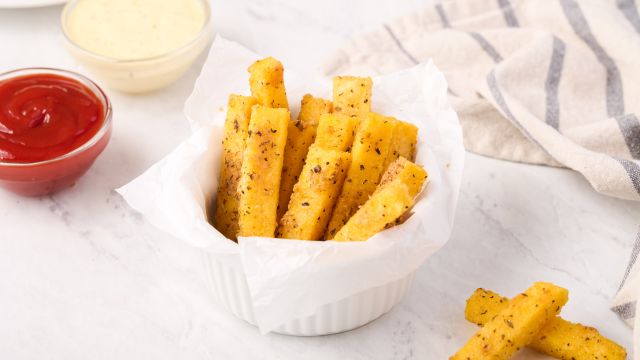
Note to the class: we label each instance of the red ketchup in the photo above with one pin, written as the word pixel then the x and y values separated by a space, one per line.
pixel 44 116
pixel 48 129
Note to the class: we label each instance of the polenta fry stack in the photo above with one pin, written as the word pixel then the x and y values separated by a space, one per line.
pixel 352 95
pixel 336 132
pixel 369 151
pixel 308 178
pixel 225 218
pixel 403 143
pixel 261 168
pixel 315 194
pixel 300 136
pixel 558 338
pixel 516 325
pixel 266 81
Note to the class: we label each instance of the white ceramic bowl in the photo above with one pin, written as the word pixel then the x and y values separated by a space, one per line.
pixel 229 284
pixel 139 75
pixel 300 287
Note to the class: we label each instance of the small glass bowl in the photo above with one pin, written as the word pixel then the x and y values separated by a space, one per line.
pixel 140 75
pixel 49 176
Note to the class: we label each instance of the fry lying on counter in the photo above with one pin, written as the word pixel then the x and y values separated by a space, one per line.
pixel 558 338
pixel 319 176
pixel 515 326
pixel 546 333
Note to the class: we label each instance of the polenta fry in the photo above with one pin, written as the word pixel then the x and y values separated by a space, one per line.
pixel 516 325
pixel 315 194
pixel 225 217
pixel 414 176
pixel 383 207
pixel 266 81
pixel 300 136
pixel 369 151
pixel 261 169
pixel 336 132
pixel 311 108
pixel 403 143
pixel 558 338
pixel 352 95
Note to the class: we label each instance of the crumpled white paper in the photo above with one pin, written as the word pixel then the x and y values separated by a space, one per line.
pixel 291 279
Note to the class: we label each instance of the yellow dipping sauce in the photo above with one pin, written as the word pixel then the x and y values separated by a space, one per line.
pixel 135 29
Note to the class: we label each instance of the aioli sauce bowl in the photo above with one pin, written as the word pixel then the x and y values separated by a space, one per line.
pixel 140 75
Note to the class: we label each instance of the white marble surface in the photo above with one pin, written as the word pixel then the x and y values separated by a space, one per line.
pixel 84 277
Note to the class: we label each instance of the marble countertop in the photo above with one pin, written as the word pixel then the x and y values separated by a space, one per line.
pixel 82 276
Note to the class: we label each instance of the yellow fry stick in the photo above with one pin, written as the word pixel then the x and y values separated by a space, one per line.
pixel 300 136
pixel 370 149
pixel 266 81
pixel 403 142
pixel 414 176
pixel 383 207
pixel 336 132
pixel 516 325
pixel 315 194
pixel 311 108
pixel 261 169
pixel 352 95
pixel 558 338
pixel 225 218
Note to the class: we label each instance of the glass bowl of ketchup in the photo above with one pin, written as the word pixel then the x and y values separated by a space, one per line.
pixel 53 125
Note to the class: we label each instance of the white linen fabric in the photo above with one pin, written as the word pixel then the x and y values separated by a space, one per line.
pixel 625 302
pixel 544 82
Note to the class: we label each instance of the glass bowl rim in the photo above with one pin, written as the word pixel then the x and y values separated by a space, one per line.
pixel 204 32
pixel 97 91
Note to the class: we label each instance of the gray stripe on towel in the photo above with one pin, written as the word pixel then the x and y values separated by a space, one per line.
pixel 492 82
pixel 552 115
pixel 497 95
pixel 630 11
pixel 615 98
pixel 630 129
pixel 443 16
pixel 507 12
pixel 632 260
pixel 486 46
pixel 400 46
pixel 626 311
pixel 633 169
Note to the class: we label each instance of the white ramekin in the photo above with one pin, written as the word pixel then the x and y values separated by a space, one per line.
pixel 140 75
pixel 229 285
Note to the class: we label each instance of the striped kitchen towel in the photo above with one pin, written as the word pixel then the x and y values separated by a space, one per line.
pixel 626 300
pixel 552 82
